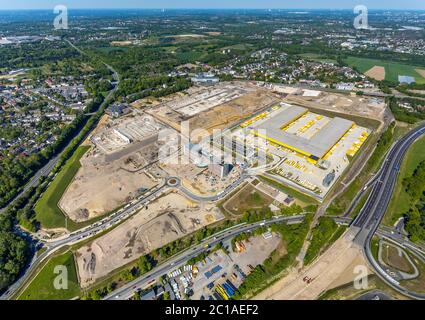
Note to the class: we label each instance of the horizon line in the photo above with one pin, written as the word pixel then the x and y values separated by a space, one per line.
pixel 195 8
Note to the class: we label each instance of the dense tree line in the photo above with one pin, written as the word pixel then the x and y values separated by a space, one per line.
pixel 415 188
pixel 323 235
pixel 405 115
pixel 14 250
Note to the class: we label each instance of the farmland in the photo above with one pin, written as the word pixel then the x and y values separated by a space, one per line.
pixel 392 69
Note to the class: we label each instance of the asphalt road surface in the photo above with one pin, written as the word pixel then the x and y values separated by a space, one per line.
pixel 371 215
pixel 127 291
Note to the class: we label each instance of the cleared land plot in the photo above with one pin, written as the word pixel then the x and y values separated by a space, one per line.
pixel 392 69
pixel 247 198
pixel 165 220
pixel 47 210
pixel 400 203
pixel 229 114
pixel 324 271
pixel 42 287
pixel 100 187
pixel 361 110
pixel 213 115
pixel 376 72
pixel 421 72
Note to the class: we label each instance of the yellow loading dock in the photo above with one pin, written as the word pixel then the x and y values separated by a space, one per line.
pixel 314 149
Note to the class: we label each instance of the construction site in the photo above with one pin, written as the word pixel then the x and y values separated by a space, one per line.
pixel 311 150
pixel 166 219
pixel 115 170
pixel 217 107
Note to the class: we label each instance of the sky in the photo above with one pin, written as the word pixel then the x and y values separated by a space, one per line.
pixel 290 4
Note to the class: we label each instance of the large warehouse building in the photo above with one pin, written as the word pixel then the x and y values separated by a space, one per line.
pixel 316 147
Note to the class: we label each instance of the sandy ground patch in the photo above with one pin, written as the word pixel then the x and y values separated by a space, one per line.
pixel 167 219
pixel 351 105
pixel 213 33
pixel 100 187
pixel 421 72
pixel 349 273
pixel 229 114
pixel 326 271
pixel 214 112
pixel 377 73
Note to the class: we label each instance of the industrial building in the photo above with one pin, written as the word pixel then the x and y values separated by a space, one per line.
pixel 206 79
pixel 221 170
pixel 274 129
pixel 406 79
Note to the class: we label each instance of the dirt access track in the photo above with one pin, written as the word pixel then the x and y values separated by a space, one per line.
pixel 334 267
pixel 165 220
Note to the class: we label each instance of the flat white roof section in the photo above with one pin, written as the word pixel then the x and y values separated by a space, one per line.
pixel 316 147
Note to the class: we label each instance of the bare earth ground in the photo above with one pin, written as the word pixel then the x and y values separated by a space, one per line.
pixel 334 266
pixel 221 116
pixel 167 219
pixel 352 105
pixel 377 73
pixel 199 181
pixel 230 113
pixel 102 123
pixel 100 187
pixel 421 72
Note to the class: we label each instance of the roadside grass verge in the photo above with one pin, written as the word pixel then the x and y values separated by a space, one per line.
pixel 42 286
pixel 307 200
pixel 417 284
pixel 47 210
pixel 401 202
pixel 324 234
pixel 374 247
pixel 360 204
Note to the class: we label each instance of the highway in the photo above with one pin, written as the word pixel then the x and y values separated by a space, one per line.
pixel 372 213
pixel 127 291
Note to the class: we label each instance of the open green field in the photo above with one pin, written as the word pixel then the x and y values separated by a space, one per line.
pixel 417 284
pixel 46 209
pixel 42 287
pixel 305 199
pixel 247 198
pixel 400 202
pixel 392 69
